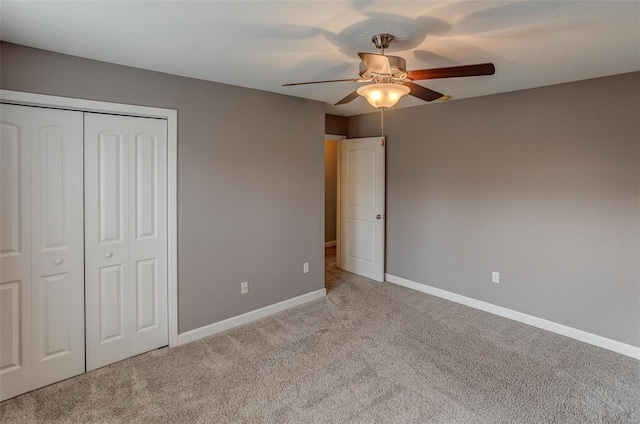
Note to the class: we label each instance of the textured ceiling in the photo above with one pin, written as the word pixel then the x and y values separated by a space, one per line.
pixel 265 44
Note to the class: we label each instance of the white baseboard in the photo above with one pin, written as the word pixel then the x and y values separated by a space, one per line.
pixel 554 327
pixel 217 327
pixel 330 244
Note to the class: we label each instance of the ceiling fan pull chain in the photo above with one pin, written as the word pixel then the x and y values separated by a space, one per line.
pixel 382 121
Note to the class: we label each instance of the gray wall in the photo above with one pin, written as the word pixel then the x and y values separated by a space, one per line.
pixel 336 125
pixel 250 178
pixel 541 185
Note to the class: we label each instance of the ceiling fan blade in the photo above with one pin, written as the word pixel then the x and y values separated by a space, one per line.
pixel 376 63
pixel 321 82
pixel 453 71
pixel 348 98
pixel 422 92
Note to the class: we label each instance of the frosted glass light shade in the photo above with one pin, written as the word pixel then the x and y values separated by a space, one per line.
pixel 383 95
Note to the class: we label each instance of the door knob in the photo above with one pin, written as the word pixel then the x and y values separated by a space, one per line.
pixel 58 261
pixel 378 216
pixel 109 254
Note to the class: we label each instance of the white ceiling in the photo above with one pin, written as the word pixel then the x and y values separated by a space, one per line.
pixel 266 43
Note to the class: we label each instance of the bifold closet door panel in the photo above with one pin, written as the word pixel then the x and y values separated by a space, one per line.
pixel 42 291
pixel 125 237
pixel 57 240
pixel 148 235
pixel 106 244
pixel 15 253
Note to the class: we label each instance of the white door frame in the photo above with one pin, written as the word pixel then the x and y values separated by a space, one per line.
pixel 171 115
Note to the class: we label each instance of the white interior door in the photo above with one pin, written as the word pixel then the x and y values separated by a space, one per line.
pixel 362 206
pixel 125 236
pixel 42 291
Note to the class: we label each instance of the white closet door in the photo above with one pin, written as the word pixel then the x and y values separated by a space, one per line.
pixel 42 290
pixel 57 245
pixel 15 253
pixel 106 246
pixel 126 242
pixel 148 234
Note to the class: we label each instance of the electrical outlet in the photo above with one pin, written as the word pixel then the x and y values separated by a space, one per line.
pixel 305 267
pixel 495 277
pixel 244 287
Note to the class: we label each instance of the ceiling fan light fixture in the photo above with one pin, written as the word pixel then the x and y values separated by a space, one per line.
pixel 383 95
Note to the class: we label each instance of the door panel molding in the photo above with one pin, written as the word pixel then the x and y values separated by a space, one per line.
pixel 11 184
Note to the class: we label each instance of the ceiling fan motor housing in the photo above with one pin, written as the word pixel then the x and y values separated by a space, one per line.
pixel 398 70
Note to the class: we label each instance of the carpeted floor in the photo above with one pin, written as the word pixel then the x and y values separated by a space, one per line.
pixel 367 353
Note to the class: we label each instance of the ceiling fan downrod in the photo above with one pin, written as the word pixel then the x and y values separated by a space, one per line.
pixel 382 41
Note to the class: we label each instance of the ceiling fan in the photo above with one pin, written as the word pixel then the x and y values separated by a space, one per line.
pixel 389 79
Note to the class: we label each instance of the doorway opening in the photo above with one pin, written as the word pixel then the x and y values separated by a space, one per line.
pixel 355 204
pixel 331 152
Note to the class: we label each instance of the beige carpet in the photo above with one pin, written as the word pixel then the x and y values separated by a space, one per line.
pixel 367 353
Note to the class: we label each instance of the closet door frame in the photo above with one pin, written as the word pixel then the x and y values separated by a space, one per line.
pixel 171 115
